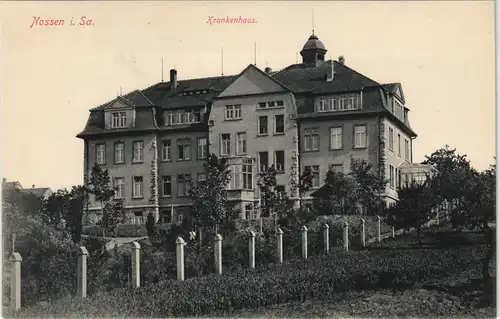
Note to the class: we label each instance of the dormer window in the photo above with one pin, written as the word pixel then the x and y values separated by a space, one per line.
pixel 343 102
pixel 118 119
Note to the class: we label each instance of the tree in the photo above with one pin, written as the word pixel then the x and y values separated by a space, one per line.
pixel 55 207
pixel 414 207
pixel 100 184
pixel 339 194
pixel 150 225
pixel 369 183
pixel 210 206
pixel 74 217
pixel 275 201
pixel 113 214
pixel 305 182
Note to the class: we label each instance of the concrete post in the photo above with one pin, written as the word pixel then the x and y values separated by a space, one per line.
pixel 326 238
pixel 437 218
pixel 15 286
pixel 251 250
pixel 393 232
pixel 180 243
pixel 346 236
pixel 363 234
pixel 304 242
pixel 279 240
pixel 81 275
pixel 378 229
pixel 218 254
pixel 136 265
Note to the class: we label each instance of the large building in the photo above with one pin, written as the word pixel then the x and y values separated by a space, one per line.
pixel 314 114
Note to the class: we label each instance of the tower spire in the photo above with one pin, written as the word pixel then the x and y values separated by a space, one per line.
pixel 255 53
pixel 162 69
pixel 312 21
pixel 222 59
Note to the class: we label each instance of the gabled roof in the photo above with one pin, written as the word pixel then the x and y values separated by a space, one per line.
pixel 134 98
pixel 395 88
pixel 252 66
pixel 38 192
pixel 301 78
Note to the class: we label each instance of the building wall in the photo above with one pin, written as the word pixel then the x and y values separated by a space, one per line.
pixel 256 143
pixel 128 169
pixel 392 158
pixel 174 167
pixel 324 157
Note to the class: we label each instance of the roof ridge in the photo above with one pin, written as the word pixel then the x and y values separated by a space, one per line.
pixel 345 66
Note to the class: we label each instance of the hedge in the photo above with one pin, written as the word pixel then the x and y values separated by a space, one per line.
pixel 124 230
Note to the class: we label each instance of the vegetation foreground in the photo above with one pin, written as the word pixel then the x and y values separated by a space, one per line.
pixel 395 278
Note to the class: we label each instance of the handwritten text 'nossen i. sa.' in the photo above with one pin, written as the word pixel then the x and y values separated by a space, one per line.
pixel 38 21
pixel 230 20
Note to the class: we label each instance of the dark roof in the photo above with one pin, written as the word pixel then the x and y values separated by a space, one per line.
pixel 38 192
pixel 301 78
pixel 134 98
pixel 313 43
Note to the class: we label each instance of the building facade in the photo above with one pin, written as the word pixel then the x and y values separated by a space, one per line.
pixel 316 114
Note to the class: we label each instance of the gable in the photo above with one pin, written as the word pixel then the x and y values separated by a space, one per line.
pixel 118 104
pixel 250 82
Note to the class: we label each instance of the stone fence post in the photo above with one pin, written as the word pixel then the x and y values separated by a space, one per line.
pixel 251 249
pixel 378 230
pixel 393 232
pixel 362 233
pixel 218 254
pixel 437 218
pixel 136 265
pixel 15 281
pixel 346 236
pixel 180 243
pixel 326 238
pixel 279 241
pixel 304 242
pixel 81 275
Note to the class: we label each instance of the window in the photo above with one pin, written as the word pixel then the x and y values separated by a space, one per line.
pixel 166 150
pixel 138 218
pixel 247 172
pixel 225 143
pixel 180 117
pixel 337 168
pixel 184 149
pixel 391 139
pixel 311 139
pixel 262 125
pixel 166 217
pixel 241 143
pixel 100 152
pixel 280 189
pixel 263 161
pixel 407 150
pixel 334 103
pixel 399 179
pixel 119 187
pixel 186 117
pixel 279 160
pixel 202 147
pixel 233 112
pixel 183 184
pixel 249 211
pixel 359 136
pixel 351 102
pixel 405 116
pixel 342 103
pixel 262 105
pixel 119 119
pixel 138 152
pixel 279 124
pixel 391 176
pixel 180 215
pixel 119 151
pixel 280 103
pixel 138 189
pixel 336 138
pixel 315 173
pixel 202 177
pixel 166 185
pixel 271 104
pixel 196 116
pixel 322 105
pixel 399 144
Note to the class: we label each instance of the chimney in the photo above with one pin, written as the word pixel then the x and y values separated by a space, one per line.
pixel 4 180
pixel 330 73
pixel 33 186
pixel 341 59
pixel 268 70
pixel 173 79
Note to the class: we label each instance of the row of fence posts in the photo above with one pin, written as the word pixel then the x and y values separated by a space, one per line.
pixel 15 301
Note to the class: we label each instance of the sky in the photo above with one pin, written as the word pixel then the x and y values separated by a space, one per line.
pixel 443 54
